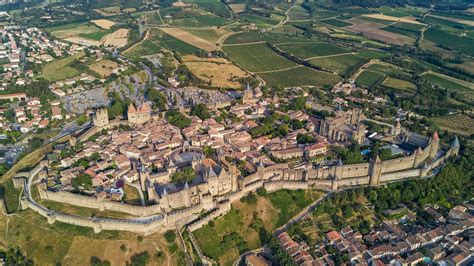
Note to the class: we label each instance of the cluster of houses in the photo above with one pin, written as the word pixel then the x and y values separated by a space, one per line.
pixel 29 113
pixel 395 242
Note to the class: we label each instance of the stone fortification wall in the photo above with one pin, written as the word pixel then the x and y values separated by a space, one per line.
pixel 284 184
pixel 394 176
pixel 93 130
pixel 94 203
pixel 350 171
pixel 398 164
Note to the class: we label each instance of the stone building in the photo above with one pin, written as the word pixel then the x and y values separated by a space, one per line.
pixel 345 126
pixel 101 118
pixel 139 115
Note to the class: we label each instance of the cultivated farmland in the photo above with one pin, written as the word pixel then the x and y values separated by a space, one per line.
pixel 257 57
pixel 311 49
pixel 300 76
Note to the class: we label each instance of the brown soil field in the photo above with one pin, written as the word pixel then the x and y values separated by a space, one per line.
pixel 395 19
pixel 82 41
pixel 237 8
pixel 103 23
pixel 104 67
pixel 218 71
pixel 117 38
pixel 458 123
pixel 372 30
pixel 190 38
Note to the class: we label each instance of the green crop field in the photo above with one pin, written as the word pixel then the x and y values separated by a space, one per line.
pixel 389 11
pixel 451 84
pixel 454 42
pixel 372 54
pixel 260 21
pixel 336 22
pixel 214 6
pixel 60 69
pixel 97 36
pixel 389 70
pixel 257 57
pixel 146 47
pixel 299 13
pixel 309 50
pixel 368 79
pixel 340 64
pixel 399 84
pixel 301 76
pixel 458 123
pixel 408 33
pixel 201 21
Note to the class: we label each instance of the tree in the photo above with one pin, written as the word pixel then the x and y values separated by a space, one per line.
pixel 140 259
pixel 82 180
pixel 201 111
pixel 170 236
pixel 157 97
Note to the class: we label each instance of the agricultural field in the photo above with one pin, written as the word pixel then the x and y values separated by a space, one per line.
pixel 372 28
pixel 169 42
pixel 239 229
pixel 201 21
pixel 310 50
pixel 399 84
pixel 257 57
pixel 237 8
pixel 298 13
pixel 71 30
pixel 60 69
pixel 389 70
pixel 399 12
pixel 259 21
pixel 146 47
pixel 372 54
pixel 368 78
pixel 104 67
pixel 103 23
pixel 341 64
pixel 190 39
pixel 452 84
pixel 300 76
pixel 461 124
pixel 211 35
pixel 117 38
pixel 217 72
pixel 96 36
pixel 336 22
pixel 462 44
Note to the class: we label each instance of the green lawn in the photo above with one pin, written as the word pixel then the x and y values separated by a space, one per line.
pixel 60 69
pixel 311 49
pixel 301 76
pixel 257 57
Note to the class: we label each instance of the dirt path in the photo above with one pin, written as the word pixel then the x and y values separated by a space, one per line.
pixel 287 17
pixel 278 70
pixel 331 55
pixel 223 38
pixel 147 34
pixel 240 44
pixel 362 68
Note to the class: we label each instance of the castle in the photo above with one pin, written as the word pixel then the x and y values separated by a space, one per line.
pixel 139 115
pixel 218 182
